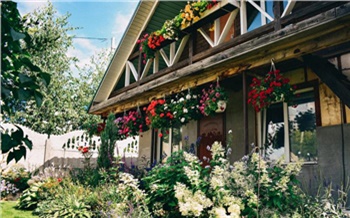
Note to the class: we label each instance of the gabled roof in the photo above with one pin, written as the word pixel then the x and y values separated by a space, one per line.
pixel 138 22
pixel 149 16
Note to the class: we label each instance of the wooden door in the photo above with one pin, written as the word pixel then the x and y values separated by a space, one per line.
pixel 210 129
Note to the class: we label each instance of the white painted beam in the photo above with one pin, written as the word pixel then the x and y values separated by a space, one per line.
pixel 172 52
pixel 227 26
pixel 180 49
pixel 165 57
pixel 133 70
pixel 217 30
pixel 127 74
pixel 146 69
pixel 263 7
pixel 259 9
pixel 243 16
pixel 289 7
pixel 156 62
pixel 206 37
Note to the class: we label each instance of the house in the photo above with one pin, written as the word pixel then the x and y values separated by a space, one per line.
pixel 233 42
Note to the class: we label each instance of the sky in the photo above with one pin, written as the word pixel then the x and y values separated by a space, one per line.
pixel 99 22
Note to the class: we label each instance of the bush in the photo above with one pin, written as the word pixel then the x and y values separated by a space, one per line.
pixel 65 199
pixel 18 176
pixel 160 181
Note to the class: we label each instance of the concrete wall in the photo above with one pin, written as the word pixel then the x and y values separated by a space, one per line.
pixel 330 167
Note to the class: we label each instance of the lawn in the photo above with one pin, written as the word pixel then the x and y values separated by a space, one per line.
pixel 8 210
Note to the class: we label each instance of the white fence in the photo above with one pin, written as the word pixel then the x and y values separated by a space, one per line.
pixel 56 149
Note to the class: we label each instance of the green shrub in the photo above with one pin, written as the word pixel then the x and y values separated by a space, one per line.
pixel 159 185
pixel 18 176
pixel 65 200
pixel 123 198
pixel 30 197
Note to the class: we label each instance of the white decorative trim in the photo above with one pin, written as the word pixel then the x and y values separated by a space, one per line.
pixel 289 7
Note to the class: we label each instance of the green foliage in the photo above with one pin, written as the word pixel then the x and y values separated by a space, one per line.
pixel 159 185
pixel 21 78
pixel 18 176
pixel 89 177
pixel 109 137
pixel 65 200
pixel 30 197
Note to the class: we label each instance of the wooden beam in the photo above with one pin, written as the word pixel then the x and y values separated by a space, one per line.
pixel 245 113
pixel 277 10
pixel 294 41
pixel 330 76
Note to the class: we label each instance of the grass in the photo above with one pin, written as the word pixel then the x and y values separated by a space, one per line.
pixel 8 210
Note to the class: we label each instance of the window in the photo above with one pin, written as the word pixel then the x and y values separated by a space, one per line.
pixel 163 146
pixel 290 129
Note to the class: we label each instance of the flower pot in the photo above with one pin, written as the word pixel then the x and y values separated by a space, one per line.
pixel 221 106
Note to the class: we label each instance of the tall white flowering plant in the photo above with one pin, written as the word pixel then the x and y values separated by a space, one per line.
pixel 250 187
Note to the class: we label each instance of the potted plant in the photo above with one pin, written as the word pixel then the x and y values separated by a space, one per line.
pixel 133 123
pixel 213 100
pixel 185 107
pixel 159 115
pixel 272 88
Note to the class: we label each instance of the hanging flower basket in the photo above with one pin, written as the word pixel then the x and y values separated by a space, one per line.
pixel 159 115
pixel 185 107
pixel 272 88
pixel 213 99
pixel 133 123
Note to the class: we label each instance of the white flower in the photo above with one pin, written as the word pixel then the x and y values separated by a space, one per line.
pixel 230 131
pixel 182 120
pixel 181 99
pixel 219 212
pixel 185 110
pixel 234 210
pixel 188 96
pixel 190 158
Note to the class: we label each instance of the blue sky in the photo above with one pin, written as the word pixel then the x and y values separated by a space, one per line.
pixel 96 19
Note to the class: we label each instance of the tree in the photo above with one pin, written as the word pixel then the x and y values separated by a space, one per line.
pixel 67 98
pixel 21 78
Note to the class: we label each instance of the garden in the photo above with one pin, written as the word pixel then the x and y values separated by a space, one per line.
pixel 176 187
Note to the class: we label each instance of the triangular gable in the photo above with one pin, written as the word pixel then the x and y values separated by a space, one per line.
pixel 142 15
pixel 148 17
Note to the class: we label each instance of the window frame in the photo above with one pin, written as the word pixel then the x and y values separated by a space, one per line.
pixel 157 144
pixel 261 119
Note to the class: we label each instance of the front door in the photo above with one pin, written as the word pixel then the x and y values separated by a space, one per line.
pixel 211 129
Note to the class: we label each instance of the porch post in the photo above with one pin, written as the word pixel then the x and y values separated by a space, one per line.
pixel 245 113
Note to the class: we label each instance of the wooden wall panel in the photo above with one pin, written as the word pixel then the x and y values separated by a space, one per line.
pixel 295 76
pixel 347 112
pixel 330 106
